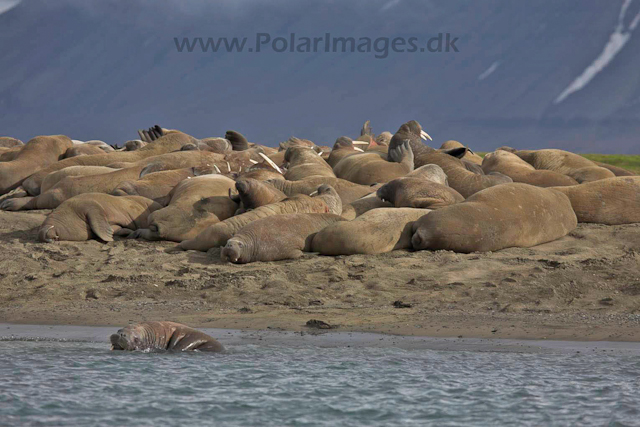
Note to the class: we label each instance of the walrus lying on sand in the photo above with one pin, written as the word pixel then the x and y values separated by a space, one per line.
pixel 374 232
pixel 414 192
pixel 347 190
pixel 96 215
pixel 276 238
pixel 253 193
pixel 163 336
pixel 608 201
pixel 155 186
pixel 507 215
pixel 326 200
pixel 565 162
pixel 370 168
pixel 520 171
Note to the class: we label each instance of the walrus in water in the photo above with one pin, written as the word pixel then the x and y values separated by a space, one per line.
pixel 305 163
pixel 35 155
pixel 520 171
pixel 608 201
pixel 566 163
pixel 96 215
pixel 508 215
pixel 163 336
pixel 326 200
pixel 276 237
pixel 196 203
pixel 374 232
pixel 370 168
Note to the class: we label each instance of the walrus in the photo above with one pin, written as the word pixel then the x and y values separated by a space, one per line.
pixel 520 171
pixel 566 163
pixel 155 186
pixel 304 162
pixel 374 232
pixel 237 140
pixel 217 145
pixel 170 142
pixel 275 238
pixel 347 190
pixel 196 203
pixel 71 186
pixel 468 156
pixel 54 177
pixel 342 148
pixel 34 156
pixel 83 150
pixel 413 192
pixel 370 168
pixel 507 215
pixel 253 193
pixel 9 142
pixel 610 201
pixel 134 145
pixel 96 215
pixel 461 179
pixel 163 336
pixel 8 154
pixel 326 200
pixel 261 174
pixel 617 171
pixel 297 142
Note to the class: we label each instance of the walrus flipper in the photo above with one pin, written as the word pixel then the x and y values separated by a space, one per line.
pixel 366 129
pixel 97 220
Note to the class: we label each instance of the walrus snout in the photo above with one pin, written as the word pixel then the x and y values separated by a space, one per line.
pixel 232 251
pixel 116 341
pixel 419 240
pixel 47 234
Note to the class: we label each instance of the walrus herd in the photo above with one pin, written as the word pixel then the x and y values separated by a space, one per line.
pixel 367 194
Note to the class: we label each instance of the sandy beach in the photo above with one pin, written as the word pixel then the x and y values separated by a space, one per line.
pixel 581 287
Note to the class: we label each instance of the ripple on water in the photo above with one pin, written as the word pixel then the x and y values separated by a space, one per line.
pixel 79 383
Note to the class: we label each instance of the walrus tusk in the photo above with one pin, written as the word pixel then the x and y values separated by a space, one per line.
pixel 270 162
pixel 320 153
pixel 358 149
pixel 253 161
pixel 314 193
pixel 425 136
pixel 240 169
pixel 217 168
pixel 228 167
pixel 360 143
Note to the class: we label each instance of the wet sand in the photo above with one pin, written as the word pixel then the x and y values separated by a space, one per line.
pixel 585 286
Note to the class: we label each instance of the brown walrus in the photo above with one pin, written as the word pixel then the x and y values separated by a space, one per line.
pixel 347 190
pixel 253 193
pixel 566 163
pixel 167 143
pixel 34 156
pixel 374 232
pixel 608 201
pixel 508 215
pixel 370 168
pixel 413 192
pixel 343 147
pixel 469 155
pixel 155 186
pixel 325 201
pixel 163 336
pixel 54 177
pixel 96 215
pixel 9 142
pixel 276 237
pixel 520 171
pixel 305 163
pixel 196 203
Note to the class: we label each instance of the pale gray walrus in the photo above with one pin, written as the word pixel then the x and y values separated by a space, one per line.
pixel 326 200
pixel 507 215
pixel 96 215
pixel 163 336
pixel 275 238
pixel 374 232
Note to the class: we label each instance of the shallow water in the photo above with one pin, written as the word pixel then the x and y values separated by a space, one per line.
pixel 83 383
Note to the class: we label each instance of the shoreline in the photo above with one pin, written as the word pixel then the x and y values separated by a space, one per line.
pixel 329 339
pixel 583 287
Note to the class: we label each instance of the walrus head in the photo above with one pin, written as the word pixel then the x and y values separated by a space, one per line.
pixel 48 233
pixel 131 337
pixel 235 251
pixel 237 140
pixel 330 197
